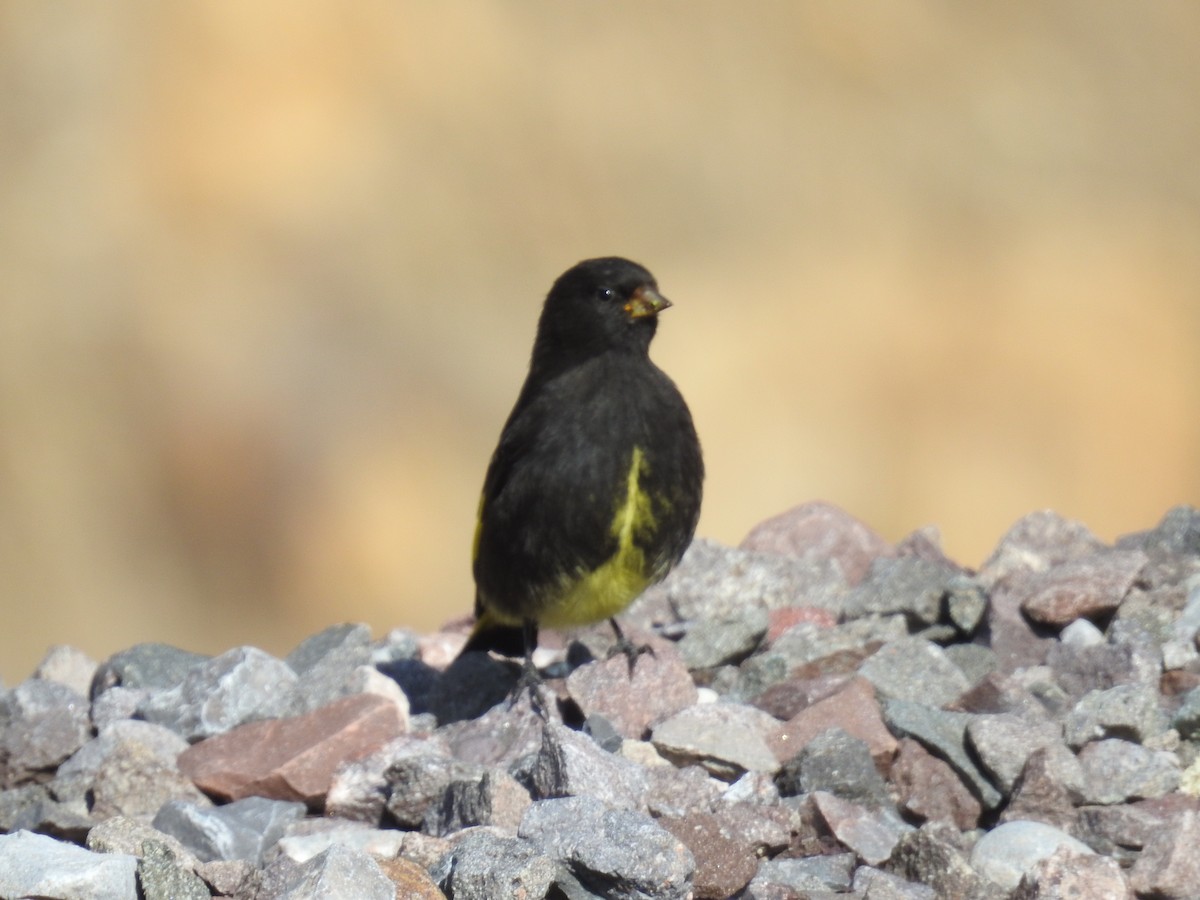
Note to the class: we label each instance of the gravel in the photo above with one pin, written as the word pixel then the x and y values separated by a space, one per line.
pixel 819 714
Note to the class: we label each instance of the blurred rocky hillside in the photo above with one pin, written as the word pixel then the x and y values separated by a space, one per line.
pixel 271 272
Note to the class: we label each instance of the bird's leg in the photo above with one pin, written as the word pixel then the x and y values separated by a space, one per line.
pixel 530 679
pixel 623 645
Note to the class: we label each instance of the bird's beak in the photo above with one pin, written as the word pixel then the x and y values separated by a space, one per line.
pixel 646 301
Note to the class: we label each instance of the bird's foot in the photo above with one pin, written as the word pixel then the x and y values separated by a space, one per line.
pixel 530 681
pixel 627 648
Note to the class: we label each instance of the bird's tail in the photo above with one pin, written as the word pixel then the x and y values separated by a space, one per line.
pixel 505 639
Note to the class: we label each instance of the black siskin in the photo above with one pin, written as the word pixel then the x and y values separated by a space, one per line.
pixel 593 492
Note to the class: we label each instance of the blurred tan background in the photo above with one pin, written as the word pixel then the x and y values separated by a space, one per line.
pixel 271 272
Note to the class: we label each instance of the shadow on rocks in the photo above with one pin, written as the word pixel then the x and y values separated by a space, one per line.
pixel 416 679
pixel 473 684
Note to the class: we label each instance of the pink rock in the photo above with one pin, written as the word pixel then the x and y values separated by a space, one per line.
pixel 1065 875
pixel 659 687
pixel 723 865
pixel 1169 867
pixel 1036 542
pixel 824 530
pixel 930 789
pixel 870 833
pixel 1084 588
pixel 785 699
pixel 292 759
pixel 853 709
pixel 781 619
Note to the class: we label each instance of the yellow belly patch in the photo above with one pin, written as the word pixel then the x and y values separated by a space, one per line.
pixel 604 592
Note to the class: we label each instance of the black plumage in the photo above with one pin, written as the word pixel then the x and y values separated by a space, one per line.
pixel 594 489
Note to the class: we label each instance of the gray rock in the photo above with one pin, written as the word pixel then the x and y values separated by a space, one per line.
pixel 130 769
pixel 327 665
pixel 117 704
pixel 835 762
pixel 240 685
pixel 1115 771
pixel 1146 616
pixel 417 776
pixel 1187 718
pixel 931 855
pixel 138 783
pixel 306 838
pixel 360 790
pixel 333 874
pixel 232 878
pixel 244 829
pixel 495 799
pixel 681 791
pixel 966 604
pixel 1178 534
pixel 121 834
pixel 158 741
pixel 46 809
pixel 502 736
pixel 345 639
pixel 728 739
pixel 807 642
pixel 717 582
pixel 155 667
pixel 914 669
pixel 1031 693
pixel 397 644
pixel 872 833
pixel 69 667
pixel 752 678
pixel 1128 711
pixel 1178 654
pixel 975 661
pixel 33 865
pixel 1081 633
pixel 943 734
pixel 713 642
pixel 617 853
pixel 483 865
pixel 41 724
pixel 875 884
pixel 571 764
pixel 1008 851
pixel 831 872
pixel 1187 625
pixel 914 587
pixel 163 878
pixel 1003 743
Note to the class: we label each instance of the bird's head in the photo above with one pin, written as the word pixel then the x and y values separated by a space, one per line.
pixel 599 305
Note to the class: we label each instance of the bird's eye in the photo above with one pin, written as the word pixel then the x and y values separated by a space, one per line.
pixel 607 294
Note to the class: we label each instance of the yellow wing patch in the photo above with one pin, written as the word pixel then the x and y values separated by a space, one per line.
pixel 604 592
pixel 478 529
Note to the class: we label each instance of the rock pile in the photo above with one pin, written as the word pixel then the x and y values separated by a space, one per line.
pixel 819 714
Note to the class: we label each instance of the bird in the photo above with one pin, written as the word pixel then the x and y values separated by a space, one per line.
pixel 593 491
